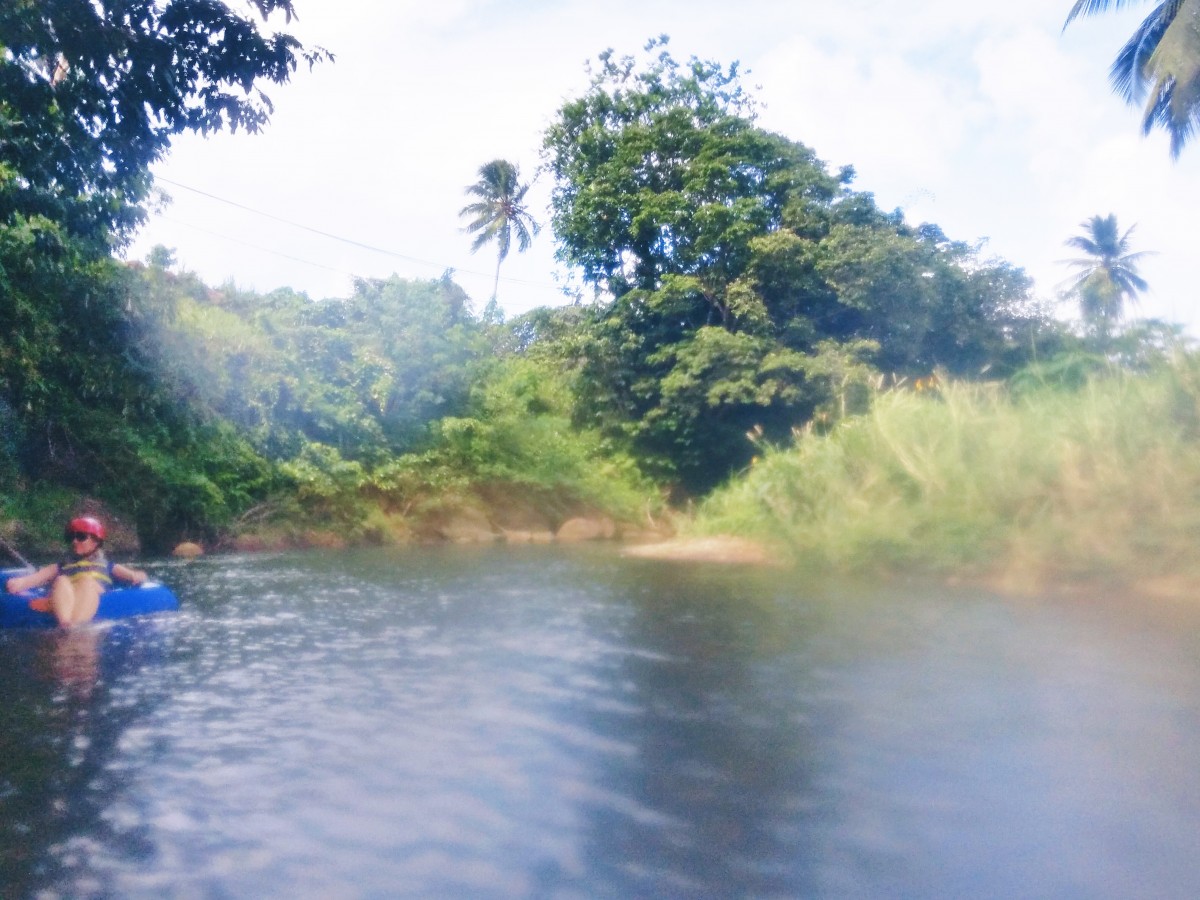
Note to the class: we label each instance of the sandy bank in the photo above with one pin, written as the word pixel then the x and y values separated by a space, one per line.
pixel 718 549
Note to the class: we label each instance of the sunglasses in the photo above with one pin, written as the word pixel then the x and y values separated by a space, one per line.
pixel 74 536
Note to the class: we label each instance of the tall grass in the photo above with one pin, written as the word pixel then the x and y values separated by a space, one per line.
pixel 1030 484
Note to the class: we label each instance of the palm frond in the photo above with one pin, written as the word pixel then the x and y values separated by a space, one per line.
pixel 1131 283
pixel 1132 258
pixel 1084 244
pixel 1174 69
pixel 1106 277
pixel 487 234
pixel 500 212
pixel 1159 66
pixel 1092 7
pixel 1128 73
pixel 1160 112
pixel 1081 263
pixel 477 209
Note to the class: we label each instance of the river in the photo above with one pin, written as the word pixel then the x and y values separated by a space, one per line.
pixel 563 722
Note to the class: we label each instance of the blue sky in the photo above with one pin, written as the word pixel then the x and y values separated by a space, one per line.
pixel 987 119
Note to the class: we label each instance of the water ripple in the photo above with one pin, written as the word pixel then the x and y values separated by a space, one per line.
pixel 477 723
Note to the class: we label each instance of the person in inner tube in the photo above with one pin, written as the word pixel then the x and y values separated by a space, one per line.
pixel 79 581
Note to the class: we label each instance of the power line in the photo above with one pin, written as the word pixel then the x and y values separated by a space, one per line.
pixel 334 237
pixel 267 215
pixel 225 237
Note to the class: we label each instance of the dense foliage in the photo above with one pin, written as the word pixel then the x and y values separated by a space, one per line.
pixel 195 411
pixel 91 94
pixel 741 285
pixel 366 375
pixel 83 408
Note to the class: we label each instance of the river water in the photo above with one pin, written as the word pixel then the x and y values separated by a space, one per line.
pixel 562 722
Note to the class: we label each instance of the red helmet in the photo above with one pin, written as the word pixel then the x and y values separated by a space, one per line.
pixel 87 525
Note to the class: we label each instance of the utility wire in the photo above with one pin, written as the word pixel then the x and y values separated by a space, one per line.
pixel 307 262
pixel 335 237
pixel 259 212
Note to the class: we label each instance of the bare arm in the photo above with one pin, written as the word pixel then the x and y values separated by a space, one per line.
pixel 125 573
pixel 20 583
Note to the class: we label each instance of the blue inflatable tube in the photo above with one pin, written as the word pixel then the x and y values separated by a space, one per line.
pixel 16 610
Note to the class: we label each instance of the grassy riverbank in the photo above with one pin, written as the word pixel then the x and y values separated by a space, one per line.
pixel 1022 484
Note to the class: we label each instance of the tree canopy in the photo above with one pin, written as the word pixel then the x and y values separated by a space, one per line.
pixel 737 275
pixel 92 93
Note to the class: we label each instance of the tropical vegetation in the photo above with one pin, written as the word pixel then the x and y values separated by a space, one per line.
pixel 1106 278
pixel 1076 471
pixel 91 94
pixel 739 283
pixel 1159 66
pixel 500 213
pixel 743 297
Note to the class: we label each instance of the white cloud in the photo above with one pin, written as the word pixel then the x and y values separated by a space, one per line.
pixel 882 115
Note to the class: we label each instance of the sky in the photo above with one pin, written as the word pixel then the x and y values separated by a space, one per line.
pixel 987 119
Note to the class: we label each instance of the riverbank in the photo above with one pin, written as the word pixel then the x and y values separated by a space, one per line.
pixel 1021 488
pixel 1007 579
pixel 722 549
pixel 465 526
pixel 494 512
pixel 1012 578
pixel 1018 489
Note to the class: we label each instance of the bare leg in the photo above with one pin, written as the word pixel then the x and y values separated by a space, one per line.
pixel 62 599
pixel 74 602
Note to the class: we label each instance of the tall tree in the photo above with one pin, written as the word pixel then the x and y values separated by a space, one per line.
pixel 92 93
pixel 737 273
pixel 500 213
pixel 1107 276
pixel 1159 65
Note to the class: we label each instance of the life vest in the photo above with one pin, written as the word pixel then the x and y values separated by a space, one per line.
pixel 95 566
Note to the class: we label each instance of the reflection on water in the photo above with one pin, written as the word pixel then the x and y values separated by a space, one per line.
pixel 70 658
pixel 564 723
pixel 60 720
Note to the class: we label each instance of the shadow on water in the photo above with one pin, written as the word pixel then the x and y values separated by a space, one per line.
pixel 64 705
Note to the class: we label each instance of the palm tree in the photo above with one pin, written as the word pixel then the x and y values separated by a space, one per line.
pixel 1107 275
pixel 1160 64
pixel 499 214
